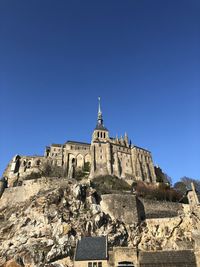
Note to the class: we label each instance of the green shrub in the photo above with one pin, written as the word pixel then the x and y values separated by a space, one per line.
pixel 33 175
pixel 51 170
pixel 79 174
pixel 109 184
pixel 161 192
pixel 86 167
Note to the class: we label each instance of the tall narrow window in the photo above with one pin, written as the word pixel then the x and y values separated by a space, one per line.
pixel 97 134
pixel 99 264
pixel 101 134
pixel 89 264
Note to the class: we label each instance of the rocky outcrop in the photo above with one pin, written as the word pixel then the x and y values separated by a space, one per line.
pixel 43 230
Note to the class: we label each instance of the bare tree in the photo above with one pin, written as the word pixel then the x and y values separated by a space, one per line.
pixel 188 180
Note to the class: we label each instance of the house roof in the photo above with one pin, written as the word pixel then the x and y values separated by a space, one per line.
pixel 91 248
pixel 162 257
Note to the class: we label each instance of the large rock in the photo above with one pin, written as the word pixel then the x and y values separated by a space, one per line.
pixel 43 229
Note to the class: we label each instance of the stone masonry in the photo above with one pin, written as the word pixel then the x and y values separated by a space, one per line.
pixel 105 155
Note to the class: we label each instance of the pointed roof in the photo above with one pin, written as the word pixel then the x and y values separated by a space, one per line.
pixel 100 125
pixel 91 248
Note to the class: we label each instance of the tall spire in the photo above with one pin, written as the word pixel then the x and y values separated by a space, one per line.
pixel 100 117
pixel 99 110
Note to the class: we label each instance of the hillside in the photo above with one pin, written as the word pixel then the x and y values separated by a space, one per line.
pixel 42 228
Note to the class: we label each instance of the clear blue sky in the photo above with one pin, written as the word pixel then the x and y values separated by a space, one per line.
pixel 142 57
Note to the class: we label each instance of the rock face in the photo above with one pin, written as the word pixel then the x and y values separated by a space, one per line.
pixel 43 230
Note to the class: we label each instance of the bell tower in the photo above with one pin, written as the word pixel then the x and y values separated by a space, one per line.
pixel 100 132
pixel 100 148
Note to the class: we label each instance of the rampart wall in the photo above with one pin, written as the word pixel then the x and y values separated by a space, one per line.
pixel 121 207
pixel 159 209
pixel 29 188
pixel 126 207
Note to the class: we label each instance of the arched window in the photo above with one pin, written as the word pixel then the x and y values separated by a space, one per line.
pixel 29 164
pixel 104 135
pixel 101 134
pixel 98 134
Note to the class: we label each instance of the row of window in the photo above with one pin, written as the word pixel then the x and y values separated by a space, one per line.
pixel 143 157
pixel 122 149
pixel 28 164
pixel 79 148
pixel 101 135
pixel 57 149
pixel 72 147
pixel 94 264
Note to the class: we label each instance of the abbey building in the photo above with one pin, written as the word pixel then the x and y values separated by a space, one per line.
pixel 105 155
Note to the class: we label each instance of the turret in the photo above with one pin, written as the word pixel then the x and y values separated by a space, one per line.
pixel 126 139
pixel 121 140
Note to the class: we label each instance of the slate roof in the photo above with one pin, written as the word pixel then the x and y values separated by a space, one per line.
pixel 163 257
pixel 76 142
pixel 56 145
pixel 91 248
pixel 101 127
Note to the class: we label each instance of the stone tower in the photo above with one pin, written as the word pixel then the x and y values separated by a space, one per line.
pixel 100 148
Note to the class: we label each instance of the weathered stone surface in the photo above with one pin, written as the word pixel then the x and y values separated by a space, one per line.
pixel 121 207
pixel 43 230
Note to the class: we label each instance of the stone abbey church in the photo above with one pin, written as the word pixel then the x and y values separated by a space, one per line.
pixel 105 155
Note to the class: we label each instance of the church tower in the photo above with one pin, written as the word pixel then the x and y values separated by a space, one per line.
pixel 100 148
pixel 100 132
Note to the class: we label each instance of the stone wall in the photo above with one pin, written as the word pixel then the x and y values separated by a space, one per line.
pixel 29 188
pixel 158 209
pixel 85 263
pixel 182 258
pixel 196 236
pixel 121 207
pixel 123 254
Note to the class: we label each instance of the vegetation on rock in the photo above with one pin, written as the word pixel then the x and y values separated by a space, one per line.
pixel 158 192
pixel 110 184
pixel 162 177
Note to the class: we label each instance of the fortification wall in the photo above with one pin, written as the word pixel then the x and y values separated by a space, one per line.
pixel 159 209
pixel 121 207
pixel 29 188
pixel 181 258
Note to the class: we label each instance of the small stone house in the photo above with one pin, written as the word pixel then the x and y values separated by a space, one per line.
pixel 91 252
